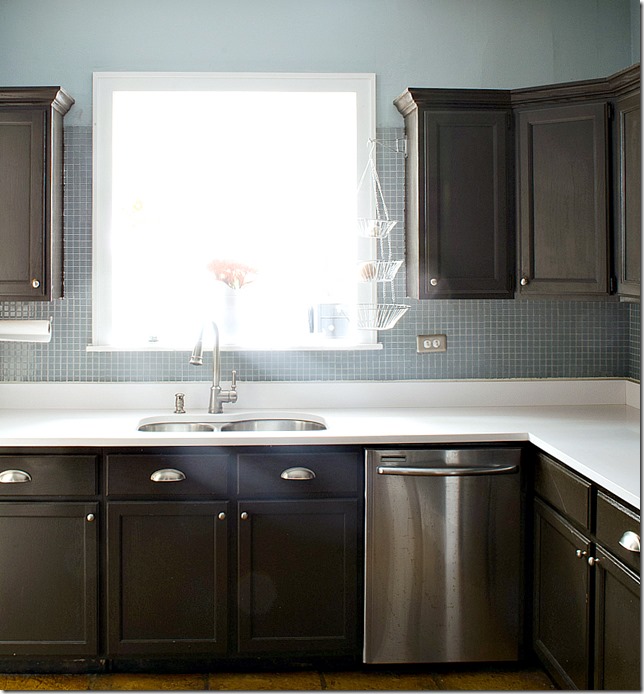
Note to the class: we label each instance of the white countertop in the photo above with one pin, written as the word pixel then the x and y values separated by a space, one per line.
pixel 600 441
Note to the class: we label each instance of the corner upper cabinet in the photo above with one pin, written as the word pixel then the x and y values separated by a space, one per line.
pixel 458 213
pixel 562 201
pixel 627 177
pixel 31 192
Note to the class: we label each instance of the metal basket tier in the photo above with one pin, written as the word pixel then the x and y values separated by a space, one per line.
pixel 378 270
pixel 379 316
pixel 375 228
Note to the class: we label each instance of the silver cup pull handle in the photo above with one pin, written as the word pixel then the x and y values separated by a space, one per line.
pixel 298 473
pixel 630 541
pixel 14 477
pixel 167 475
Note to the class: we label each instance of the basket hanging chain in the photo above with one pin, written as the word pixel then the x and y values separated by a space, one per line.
pixel 381 206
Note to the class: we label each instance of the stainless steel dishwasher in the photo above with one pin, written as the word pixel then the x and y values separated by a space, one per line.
pixel 442 555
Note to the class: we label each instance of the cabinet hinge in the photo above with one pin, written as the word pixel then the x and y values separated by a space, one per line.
pixel 612 285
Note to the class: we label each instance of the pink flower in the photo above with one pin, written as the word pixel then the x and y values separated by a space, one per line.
pixel 234 274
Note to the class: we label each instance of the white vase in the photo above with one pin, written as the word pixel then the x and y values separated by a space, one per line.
pixel 229 320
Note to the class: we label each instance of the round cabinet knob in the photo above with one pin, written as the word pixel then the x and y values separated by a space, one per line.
pixel 244 516
pixel 90 517
pixel 524 281
pixel 580 554
pixel 433 281
pixel 592 561
pixel 222 516
pixel 35 283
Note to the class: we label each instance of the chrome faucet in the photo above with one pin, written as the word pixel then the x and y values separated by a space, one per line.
pixel 217 395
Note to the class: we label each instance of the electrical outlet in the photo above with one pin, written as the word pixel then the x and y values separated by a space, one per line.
pixel 431 343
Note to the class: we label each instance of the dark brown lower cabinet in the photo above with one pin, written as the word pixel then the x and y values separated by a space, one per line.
pixel 298 576
pixel 48 579
pixel 561 618
pixel 167 578
pixel 586 602
pixel 617 625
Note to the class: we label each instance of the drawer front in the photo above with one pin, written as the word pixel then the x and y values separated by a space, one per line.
pixel 561 488
pixel 47 475
pixel 613 520
pixel 170 476
pixel 296 475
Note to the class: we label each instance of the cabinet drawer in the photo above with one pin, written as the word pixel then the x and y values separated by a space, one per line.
pixel 47 475
pixel 174 475
pixel 613 520
pixel 292 475
pixel 564 490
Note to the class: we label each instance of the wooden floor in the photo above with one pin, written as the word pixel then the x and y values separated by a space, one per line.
pixel 421 679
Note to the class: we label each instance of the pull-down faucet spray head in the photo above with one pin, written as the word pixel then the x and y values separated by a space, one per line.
pixel 197 353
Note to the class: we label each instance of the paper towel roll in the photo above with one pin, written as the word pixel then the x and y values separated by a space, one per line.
pixel 25 330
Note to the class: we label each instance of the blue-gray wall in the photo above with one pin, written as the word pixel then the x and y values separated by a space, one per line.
pixel 444 43
pixel 438 43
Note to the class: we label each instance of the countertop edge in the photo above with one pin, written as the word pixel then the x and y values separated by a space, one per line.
pixel 601 442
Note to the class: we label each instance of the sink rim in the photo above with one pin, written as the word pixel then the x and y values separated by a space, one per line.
pixel 245 425
pixel 174 427
pixel 172 423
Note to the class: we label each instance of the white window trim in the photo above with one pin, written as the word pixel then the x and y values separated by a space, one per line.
pixel 104 83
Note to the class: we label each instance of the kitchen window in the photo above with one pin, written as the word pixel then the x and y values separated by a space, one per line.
pixel 233 198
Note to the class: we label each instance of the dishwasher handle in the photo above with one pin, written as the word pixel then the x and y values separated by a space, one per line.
pixel 446 471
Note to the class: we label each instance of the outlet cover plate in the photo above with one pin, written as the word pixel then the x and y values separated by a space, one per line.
pixel 431 343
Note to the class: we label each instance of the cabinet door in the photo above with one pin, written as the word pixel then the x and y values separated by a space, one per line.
pixel 617 625
pixel 461 237
pixel 22 197
pixel 628 194
pixel 167 578
pixel 48 579
pixel 563 213
pixel 561 616
pixel 298 570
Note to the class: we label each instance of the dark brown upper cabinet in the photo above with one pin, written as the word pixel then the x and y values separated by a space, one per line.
pixel 627 182
pixel 548 175
pixel 31 192
pixel 563 201
pixel 458 213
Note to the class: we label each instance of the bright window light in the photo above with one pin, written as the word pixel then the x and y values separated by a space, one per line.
pixel 230 198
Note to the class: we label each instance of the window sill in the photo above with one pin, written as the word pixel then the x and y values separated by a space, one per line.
pixel 335 346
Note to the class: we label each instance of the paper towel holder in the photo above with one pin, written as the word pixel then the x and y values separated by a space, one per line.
pixel 25 330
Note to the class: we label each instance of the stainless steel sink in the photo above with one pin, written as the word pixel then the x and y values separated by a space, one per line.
pixel 273 425
pixel 177 426
pixel 237 422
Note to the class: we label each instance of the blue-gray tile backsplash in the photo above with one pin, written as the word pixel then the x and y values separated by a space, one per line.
pixel 486 339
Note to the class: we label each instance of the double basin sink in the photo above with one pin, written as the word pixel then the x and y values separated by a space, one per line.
pixel 244 422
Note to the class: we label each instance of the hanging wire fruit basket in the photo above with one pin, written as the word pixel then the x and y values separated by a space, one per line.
pixel 378 270
pixel 379 316
pixel 375 228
